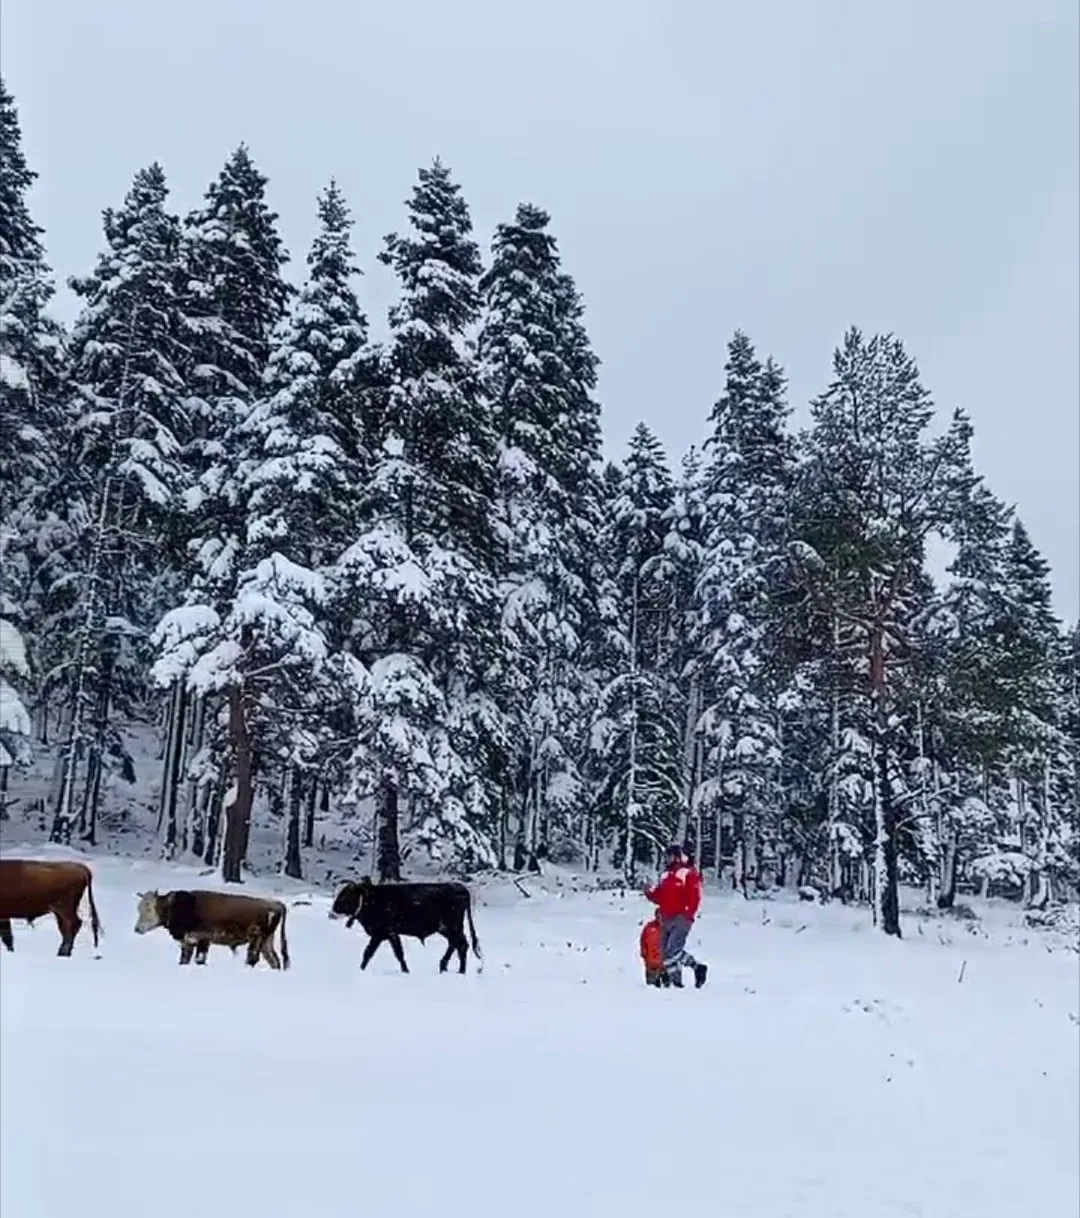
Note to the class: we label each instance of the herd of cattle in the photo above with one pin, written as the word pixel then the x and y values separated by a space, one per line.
pixel 31 889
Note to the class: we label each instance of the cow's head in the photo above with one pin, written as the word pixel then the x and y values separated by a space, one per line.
pixel 150 915
pixel 349 900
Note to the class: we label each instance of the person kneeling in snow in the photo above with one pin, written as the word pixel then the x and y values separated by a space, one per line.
pixel 678 899
pixel 652 953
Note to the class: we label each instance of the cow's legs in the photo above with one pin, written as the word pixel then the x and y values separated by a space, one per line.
pixel 399 951
pixel 269 953
pixel 6 937
pixel 449 952
pixel 255 948
pixel 202 950
pixel 69 925
pixel 370 950
pixel 455 942
pixel 187 950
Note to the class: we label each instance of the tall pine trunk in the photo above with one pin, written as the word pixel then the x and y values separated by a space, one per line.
pixel 1039 896
pixel 631 777
pixel 886 874
pixel 238 810
pixel 836 878
pixel 388 845
pixel 689 760
pixel 309 812
pixel 292 866
pixel 174 759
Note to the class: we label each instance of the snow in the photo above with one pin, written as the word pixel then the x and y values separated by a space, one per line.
pixel 12 651
pixel 13 715
pixel 822 1073
pixel 13 374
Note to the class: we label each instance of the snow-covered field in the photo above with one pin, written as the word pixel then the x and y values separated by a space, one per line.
pixel 822 1073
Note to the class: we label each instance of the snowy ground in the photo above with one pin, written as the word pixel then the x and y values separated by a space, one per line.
pixel 822 1073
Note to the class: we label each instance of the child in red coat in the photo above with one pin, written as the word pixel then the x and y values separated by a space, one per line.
pixel 652 952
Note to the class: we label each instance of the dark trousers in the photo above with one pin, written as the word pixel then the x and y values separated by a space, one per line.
pixel 674 932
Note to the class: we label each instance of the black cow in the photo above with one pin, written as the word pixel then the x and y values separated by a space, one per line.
pixel 388 911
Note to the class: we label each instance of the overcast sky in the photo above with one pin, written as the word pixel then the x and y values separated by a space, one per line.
pixel 789 168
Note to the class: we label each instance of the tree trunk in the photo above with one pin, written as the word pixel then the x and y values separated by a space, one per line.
pixel 1039 896
pixel 388 847
pixel 92 798
pixel 835 871
pixel 210 798
pixel 631 777
pixel 947 896
pixel 238 810
pixel 933 884
pixel 174 759
pixel 292 829
pixel 689 759
pixel 886 877
pixel 738 860
pixel 523 839
pixel 195 816
pixel 751 851
pixel 309 813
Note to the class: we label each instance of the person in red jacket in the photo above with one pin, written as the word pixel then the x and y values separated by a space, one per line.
pixel 678 898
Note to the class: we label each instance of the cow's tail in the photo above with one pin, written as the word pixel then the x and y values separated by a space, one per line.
pixel 284 941
pixel 472 933
pixel 95 922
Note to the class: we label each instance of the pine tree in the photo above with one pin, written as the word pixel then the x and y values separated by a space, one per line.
pixel 31 429
pixel 540 374
pixel 31 343
pixel 685 552
pixel 308 439
pixel 636 739
pixel 872 489
pixel 747 483
pixel 965 704
pixel 424 565
pixel 1040 752
pixel 128 403
pixel 235 618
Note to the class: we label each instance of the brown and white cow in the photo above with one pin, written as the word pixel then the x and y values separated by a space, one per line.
pixel 31 888
pixel 197 919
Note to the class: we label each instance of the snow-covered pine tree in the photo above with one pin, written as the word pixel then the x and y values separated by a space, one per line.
pixel 216 642
pixel 636 736
pixel 1039 749
pixel 873 488
pixel 127 389
pixel 684 554
pixel 747 482
pixel 540 373
pixel 1068 778
pixel 31 429
pixel 965 703
pixel 308 440
pixel 424 566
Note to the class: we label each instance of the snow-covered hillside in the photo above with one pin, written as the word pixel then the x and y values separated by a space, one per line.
pixel 822 1073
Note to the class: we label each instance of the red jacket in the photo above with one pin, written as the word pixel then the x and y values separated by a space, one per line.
pixel 679 893
pixel 652 947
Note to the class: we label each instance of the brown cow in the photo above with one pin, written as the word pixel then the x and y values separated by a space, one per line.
pixel 30 888
pixel 197 919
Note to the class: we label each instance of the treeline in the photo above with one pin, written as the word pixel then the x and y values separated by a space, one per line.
pixel 397 579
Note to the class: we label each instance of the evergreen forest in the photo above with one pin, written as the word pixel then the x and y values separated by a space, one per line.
pixel 395 587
